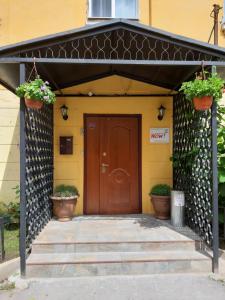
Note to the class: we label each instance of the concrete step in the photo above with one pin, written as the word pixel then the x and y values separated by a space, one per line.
pixel 114 263
pixel 125 246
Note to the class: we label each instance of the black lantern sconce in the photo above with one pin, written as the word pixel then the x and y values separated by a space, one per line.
pixel 161 114
pixel 64 112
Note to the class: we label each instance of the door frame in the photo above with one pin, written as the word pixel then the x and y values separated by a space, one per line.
pixel 139 119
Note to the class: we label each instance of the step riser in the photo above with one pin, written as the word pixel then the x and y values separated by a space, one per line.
pixel 127 268
pixel 114 247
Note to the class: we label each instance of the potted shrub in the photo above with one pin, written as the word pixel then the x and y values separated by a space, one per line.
pixel 160 197
pixel 202 91
pixel 64 201
pixel 36 93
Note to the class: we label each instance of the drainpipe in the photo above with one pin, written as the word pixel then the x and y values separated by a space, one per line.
pixel 216 9
pixel 223 20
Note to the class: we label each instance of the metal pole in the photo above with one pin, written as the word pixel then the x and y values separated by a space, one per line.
pixel 216 9
pixel 215 221
pixel 22 179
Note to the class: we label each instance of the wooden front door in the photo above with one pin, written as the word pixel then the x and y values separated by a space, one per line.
pixel 112 164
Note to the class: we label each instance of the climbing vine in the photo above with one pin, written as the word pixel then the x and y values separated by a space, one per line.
pixel 221 153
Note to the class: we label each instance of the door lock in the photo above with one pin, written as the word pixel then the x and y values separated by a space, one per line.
pixel 104 166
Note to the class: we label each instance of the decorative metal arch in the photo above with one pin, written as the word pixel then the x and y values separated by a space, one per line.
pixel 119 44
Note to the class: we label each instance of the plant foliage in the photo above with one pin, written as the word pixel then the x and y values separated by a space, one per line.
pixel 160 190
pixel 11 210
pixel 36 90
pixel 221 154
pixel 185 160
pixel 212 86
pixel 65 191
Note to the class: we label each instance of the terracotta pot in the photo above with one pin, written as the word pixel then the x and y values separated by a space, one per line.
pixel 63 207
pixel 161 205
pixel 203 103
pixel 34 104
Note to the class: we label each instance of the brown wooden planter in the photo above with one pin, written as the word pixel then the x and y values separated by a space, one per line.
pixel 34 104
pixel 64 207
pixel 203 103
pixel 161 205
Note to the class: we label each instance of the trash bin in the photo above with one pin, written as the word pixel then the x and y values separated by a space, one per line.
pixel 177 208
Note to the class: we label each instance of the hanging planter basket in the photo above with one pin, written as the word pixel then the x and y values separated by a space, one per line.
pixel 203 90
pixel 203 103
pixel 33 104
pixel 35 92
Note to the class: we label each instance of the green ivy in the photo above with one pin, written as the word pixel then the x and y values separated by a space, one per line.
pixel 185 160
pixel 221 153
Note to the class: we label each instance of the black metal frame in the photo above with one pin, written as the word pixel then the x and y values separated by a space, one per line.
pixel 62 56
pixel 215 204
pixel 22 79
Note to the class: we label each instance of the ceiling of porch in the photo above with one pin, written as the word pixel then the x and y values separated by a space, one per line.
pixel 115 85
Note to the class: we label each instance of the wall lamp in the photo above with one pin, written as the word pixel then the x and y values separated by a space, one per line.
pixel 64 112
pixel 161 112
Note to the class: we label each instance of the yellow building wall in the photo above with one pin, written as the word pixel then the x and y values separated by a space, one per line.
pixel 189 18
pixel 9 145
pixel 156 166
pixel 27 19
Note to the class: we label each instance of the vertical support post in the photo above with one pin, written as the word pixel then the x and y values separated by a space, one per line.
pixel 22 75
pixel 215 221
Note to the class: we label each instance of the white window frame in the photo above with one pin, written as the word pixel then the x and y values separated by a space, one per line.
pixel 113 10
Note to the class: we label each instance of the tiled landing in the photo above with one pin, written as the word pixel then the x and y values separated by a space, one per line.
pixel 109 245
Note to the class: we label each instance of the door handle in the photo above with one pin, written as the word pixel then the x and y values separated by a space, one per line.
pixel 104 166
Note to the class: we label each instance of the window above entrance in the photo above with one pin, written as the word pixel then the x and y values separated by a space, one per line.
pixel 104 9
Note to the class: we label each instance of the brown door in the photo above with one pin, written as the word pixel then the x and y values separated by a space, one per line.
pixel 112 165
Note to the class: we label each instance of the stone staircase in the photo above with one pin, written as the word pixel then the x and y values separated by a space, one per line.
pixel 100 245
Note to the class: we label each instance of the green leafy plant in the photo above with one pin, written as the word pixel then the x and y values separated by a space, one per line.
pixel 185 160
pixel 160 190
pixel 65 191
pixel 36 90
pixel 2 209
pixel 211 86
pixel 221 154
pixel 13 211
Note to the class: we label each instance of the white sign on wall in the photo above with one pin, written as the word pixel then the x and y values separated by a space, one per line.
pixel 159 135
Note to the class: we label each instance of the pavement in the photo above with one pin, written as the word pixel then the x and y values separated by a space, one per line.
pixel 145 287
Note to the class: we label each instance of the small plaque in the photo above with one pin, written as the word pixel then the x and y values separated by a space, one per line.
pixel 66 145
pixel 179 199
pixel 159 135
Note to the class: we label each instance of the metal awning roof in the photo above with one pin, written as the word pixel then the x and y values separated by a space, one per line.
pixel 118 47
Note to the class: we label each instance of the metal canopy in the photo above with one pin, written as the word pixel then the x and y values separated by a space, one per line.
pixel 118 47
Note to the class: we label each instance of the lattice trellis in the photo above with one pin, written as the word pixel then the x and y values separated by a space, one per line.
pixel 193 130
pixel 39 170
pixel 117 44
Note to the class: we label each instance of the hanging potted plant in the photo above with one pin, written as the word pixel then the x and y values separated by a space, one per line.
pixel 36 93
pixel 160 197
pixel 64 201
pixel 203 90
